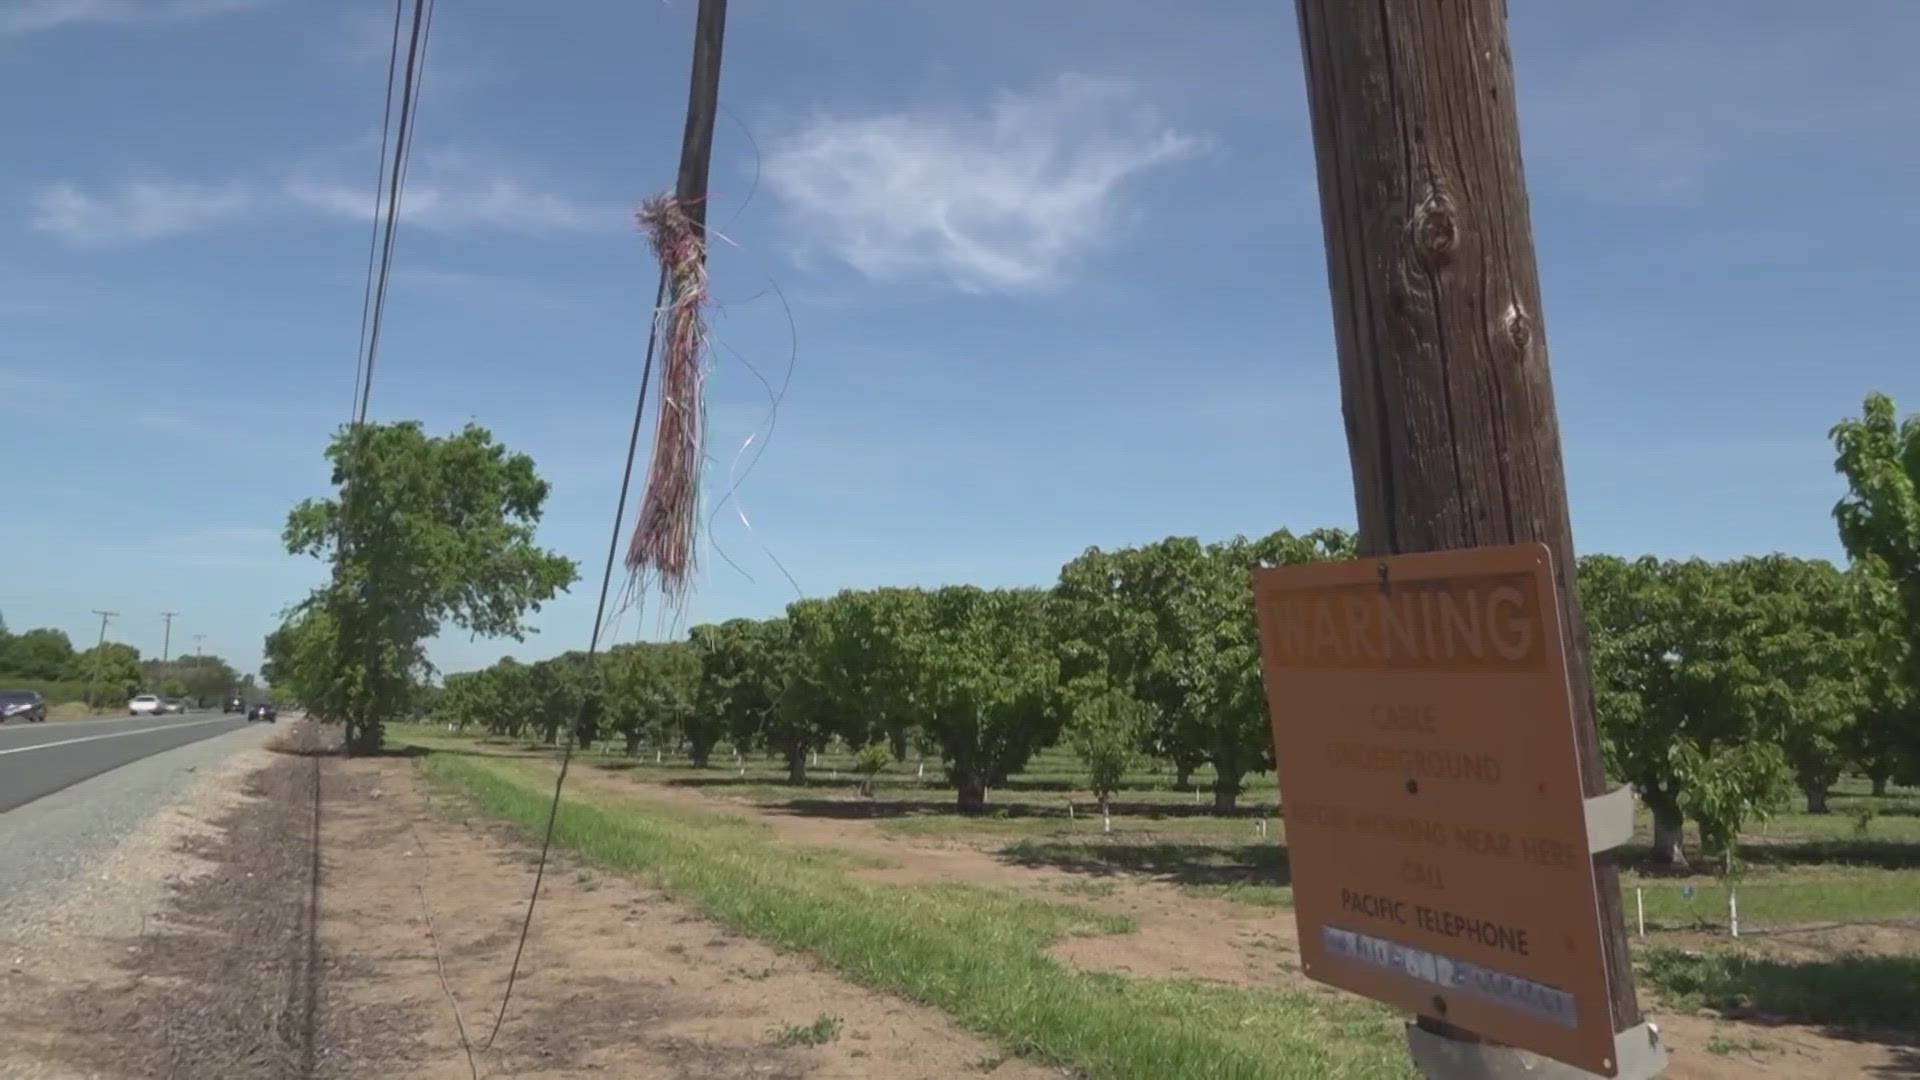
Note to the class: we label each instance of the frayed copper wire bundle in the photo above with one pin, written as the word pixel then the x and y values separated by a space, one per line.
pixel 662 549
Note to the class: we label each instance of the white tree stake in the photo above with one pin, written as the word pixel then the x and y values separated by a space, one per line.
pixel 656 755
pixel 923 771
pixel 1069 809
pixel 1640 905
pixel 1196 796
pixel 1106 819
pixel 1733 909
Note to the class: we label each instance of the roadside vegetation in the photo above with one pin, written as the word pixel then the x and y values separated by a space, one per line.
pixel 1109 734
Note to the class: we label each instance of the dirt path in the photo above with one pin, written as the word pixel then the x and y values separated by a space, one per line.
pixel 617 980
pixel 1183 935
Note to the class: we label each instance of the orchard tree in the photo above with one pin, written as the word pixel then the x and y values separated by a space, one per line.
pixel 1172 623
pixel 985 684
pixel 425 531
pixel 1879 522
pixel 1106 729
pixel 651 691
pixel 1706 675
pixel 859 659
pixel 742 674
pixel 1811 652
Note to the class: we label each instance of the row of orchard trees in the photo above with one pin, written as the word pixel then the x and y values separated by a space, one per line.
pixel 1714 681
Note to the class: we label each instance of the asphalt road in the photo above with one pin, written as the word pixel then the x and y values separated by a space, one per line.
pixel 40 759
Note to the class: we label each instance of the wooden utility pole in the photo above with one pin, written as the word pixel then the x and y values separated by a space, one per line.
pixel 166 642
pixel 1437 317
pixel 703 105
pixel 104 616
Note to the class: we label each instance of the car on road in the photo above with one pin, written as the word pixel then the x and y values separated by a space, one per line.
pixel 144 705
pixel 25 705
pixel 172 706
pixel 263 711
pixel 236 703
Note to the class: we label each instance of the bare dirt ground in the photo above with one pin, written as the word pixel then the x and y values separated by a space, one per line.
pixel 245 970
pixel 217 957
pixel 1183 935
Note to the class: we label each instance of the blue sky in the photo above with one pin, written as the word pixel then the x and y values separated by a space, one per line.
pixel 1055 269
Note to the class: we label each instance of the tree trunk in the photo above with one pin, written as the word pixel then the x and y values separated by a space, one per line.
pixel 971 789
pixel 1226 792
pixel 700 752
pixel 550 733
pixel 1879 784
pixel 797 763
pixel 1816 792
pixel 365 737
pixel 897 740
pixel 633 742
pixel 1669 831
pixel 1182 774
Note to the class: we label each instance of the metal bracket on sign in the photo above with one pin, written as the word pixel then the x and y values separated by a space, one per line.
pixel 1609 820
pixel 1638 1053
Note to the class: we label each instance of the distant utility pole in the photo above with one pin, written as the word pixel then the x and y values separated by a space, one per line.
pixel 97 657
pixel 166 642
pixel 197 639
pixel 1444 382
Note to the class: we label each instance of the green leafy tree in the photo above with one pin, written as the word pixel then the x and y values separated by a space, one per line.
pixel 743 671
pixel 1106 730
pixel 1172 623
pixel 651 691
pixel 1732 791
pixel 986 682
pixel 869 763
pixel 1879 523
pixel 426 531
pixel 112 672
pixel 41 655
pixel 1697 666
pixel 1812 652
pixel 857 657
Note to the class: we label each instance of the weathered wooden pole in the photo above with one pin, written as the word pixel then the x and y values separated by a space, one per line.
pixel 1437 317
pixel 703 104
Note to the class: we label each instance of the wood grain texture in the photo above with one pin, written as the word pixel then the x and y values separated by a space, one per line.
pixel 703 105
pixel 1444 377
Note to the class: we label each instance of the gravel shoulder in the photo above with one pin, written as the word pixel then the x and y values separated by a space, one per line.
pixel 75 853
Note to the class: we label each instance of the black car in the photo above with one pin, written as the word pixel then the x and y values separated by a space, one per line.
pixel 236 703
pixel 263 711
pixel 25 705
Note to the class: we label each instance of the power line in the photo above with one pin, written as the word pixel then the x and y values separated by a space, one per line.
pixel 373 228
pixel 403 150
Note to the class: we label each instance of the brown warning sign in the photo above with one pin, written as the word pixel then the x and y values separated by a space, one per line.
pixel 1436 828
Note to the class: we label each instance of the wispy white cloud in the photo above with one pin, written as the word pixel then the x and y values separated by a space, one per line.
pixel 137 210
pixel 31 16
pixel 457 189
pixel 1001 199
pixel 445 191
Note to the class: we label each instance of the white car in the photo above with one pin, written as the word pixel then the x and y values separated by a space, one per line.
pixel 145 705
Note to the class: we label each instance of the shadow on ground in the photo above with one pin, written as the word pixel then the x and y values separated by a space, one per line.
pixel 1173 862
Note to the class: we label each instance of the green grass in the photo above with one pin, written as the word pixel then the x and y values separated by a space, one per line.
pixel 1780 896
pixel 1848 989
pixel 823 1030
pixel 1806 869
pixel 979 954
pixel 1725 1045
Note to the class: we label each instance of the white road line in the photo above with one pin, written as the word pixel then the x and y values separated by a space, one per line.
pixel 110 735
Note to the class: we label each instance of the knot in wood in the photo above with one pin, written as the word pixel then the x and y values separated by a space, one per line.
pixel 1518 327
pixel 1435 228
